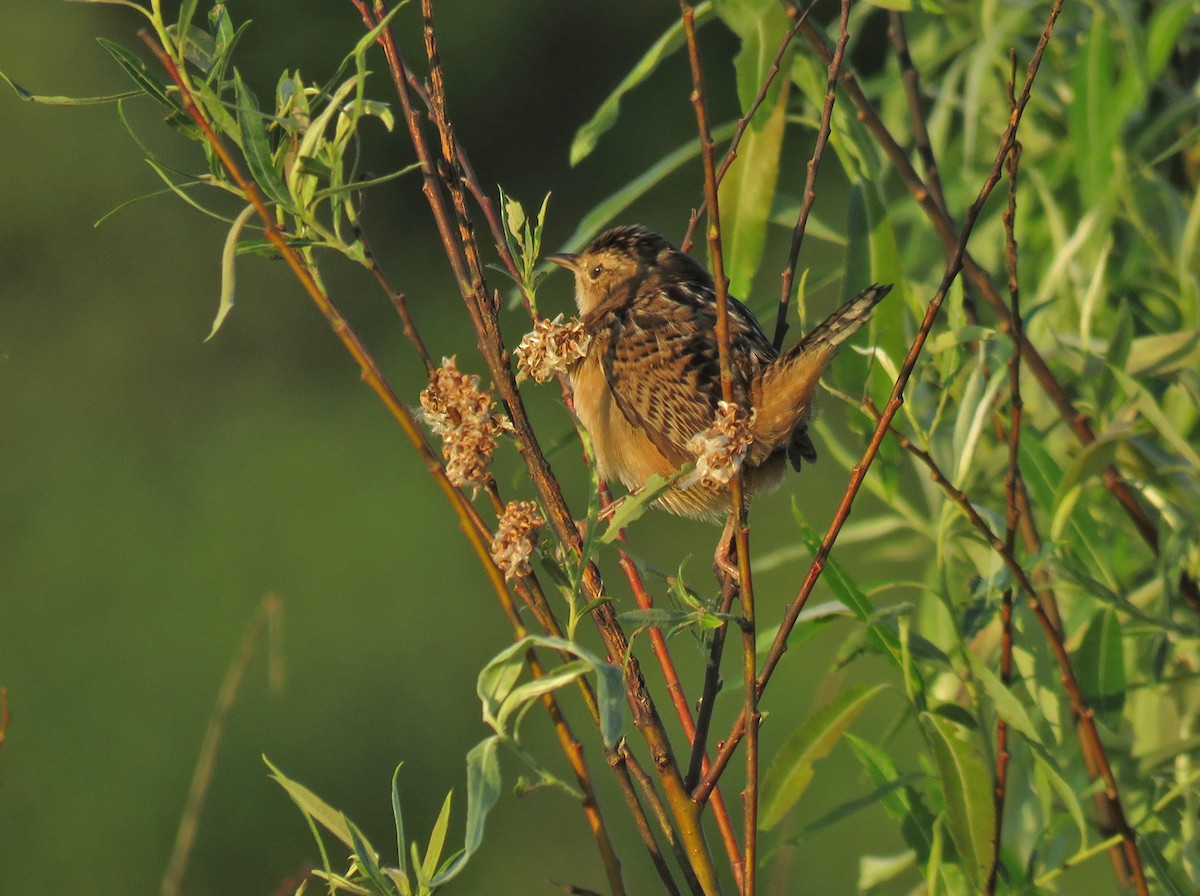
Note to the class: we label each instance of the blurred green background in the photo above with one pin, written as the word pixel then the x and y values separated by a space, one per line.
pixel 154 487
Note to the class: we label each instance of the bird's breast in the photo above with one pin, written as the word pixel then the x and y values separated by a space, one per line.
pixel 623 451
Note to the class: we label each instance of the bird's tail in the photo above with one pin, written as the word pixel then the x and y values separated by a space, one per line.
pixel 843 322
pixel 785 391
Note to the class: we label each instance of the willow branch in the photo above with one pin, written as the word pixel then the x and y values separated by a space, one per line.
pixel 737 512
pixel 1011 477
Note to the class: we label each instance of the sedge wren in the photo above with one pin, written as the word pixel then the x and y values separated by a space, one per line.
pixel 648 389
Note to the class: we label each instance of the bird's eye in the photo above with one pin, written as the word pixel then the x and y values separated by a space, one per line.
pixel 595 272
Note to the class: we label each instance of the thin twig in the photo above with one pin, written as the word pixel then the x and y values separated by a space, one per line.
pixel 911 80
pixel 859 472
pixel 399 302
pixel 268 610
pixel 666 662
pixel 1012 474
pixel 737 510
pixel 639 776
pixel 788 276
pixel 712 684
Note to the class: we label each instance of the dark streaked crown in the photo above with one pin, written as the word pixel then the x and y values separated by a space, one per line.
pixel 649 251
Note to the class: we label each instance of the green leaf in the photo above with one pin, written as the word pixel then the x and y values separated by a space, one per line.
pixel 1162 353
pixel 1100 666
pixel 503 698
pixel 1007 705
pixel 398 815
pixel 633 505
pixel 229 269
pixel 367 858
pixel 606 116
pixel 792 768
pixel 966 790
pixel 747 193
pixel 617 202
pixel 1093 115
pixel 141 76
pixel 313 806
pixel 1047 766
pixel 842 811
pixel 255 146
pixel 437 841
pixel 904 805
pixel 483 790
pixel 24 94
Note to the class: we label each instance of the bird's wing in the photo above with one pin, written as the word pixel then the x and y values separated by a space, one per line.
pixel 662 363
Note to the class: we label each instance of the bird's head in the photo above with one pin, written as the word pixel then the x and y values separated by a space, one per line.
pixel 616 263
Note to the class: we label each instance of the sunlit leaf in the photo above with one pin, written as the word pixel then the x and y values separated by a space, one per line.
pixel 229 269
pixel 966 791
pixel 606 116
pixel 792 768
pixel 1100 666
pixel 315 807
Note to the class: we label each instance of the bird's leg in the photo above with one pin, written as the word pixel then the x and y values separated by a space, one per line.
pixel 725 561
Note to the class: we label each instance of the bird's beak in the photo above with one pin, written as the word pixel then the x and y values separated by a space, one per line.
pixel 565 260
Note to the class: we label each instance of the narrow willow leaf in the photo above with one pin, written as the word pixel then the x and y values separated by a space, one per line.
pixel 483 790
pixel 229 269
pixel 792 768
pixel 1100 665
pixel 1007 705
pixel 1163 353
pixel 632 506
pixel 876 870
pixel 26 95
pixel 141 76
pixel 255 146
pixel 606 116
pixel 437 840
pixel 1169 878
pixel 366 857
pixel 498 680
pixel 844 810
pixel 966 791
pixel 746 195
pixel 616 203
pixel 1151 412
pixel 398 815
pixel 1047 768
pixel 904 805
pixel 313 806
pixel 1093 116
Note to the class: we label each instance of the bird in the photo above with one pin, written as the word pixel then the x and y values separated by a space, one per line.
pixel 649 383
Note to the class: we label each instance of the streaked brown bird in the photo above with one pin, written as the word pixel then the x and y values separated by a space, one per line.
pixel 650 382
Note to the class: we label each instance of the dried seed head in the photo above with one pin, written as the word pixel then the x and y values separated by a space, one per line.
pixel 461 414
pixel 516 536
pixel 551 347
pixel 720 449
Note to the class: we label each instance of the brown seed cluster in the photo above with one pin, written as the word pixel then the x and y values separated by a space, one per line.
pixel 461 414
pixel 720 449
pixel 551 348
pixel 516 537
